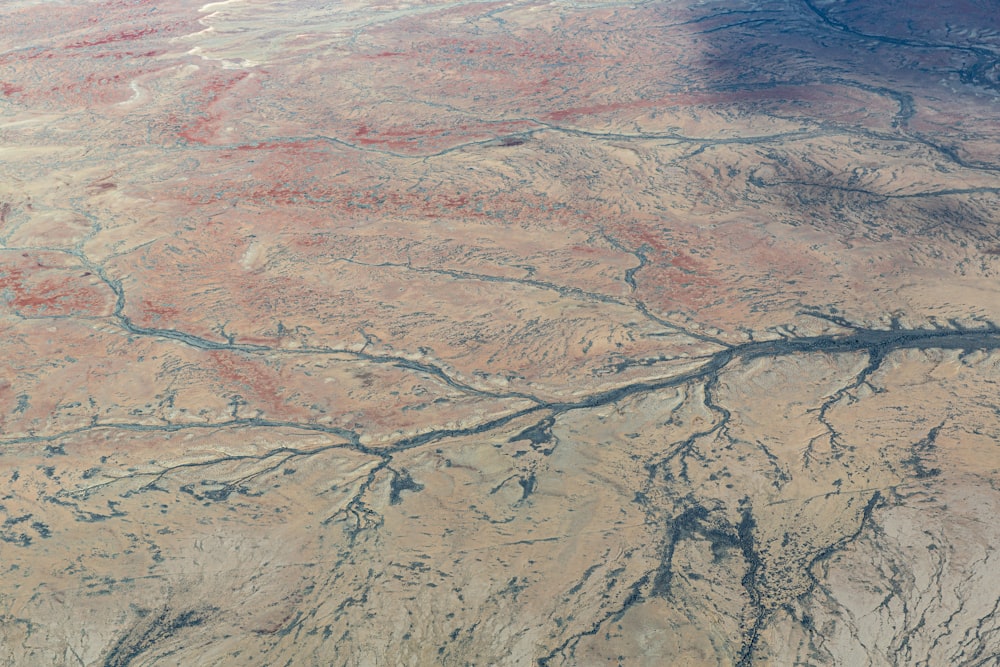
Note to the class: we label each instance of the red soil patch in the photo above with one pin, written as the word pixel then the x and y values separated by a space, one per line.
pixel 249 378
pixel 123 36
pixel 36 285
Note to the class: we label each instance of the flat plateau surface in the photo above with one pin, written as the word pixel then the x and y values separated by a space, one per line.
pixel 499 333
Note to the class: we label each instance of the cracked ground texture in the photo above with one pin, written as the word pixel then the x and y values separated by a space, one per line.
pixel 499 333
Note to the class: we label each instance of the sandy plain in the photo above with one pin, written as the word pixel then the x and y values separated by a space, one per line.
pixel 468 333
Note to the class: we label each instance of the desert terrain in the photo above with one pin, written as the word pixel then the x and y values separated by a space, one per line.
pixel 499 333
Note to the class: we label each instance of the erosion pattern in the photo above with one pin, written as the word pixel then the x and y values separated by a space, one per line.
pixel 514 333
